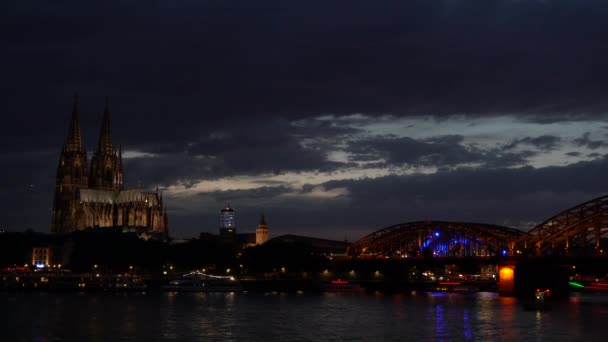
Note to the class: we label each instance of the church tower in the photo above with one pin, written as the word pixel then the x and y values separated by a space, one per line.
pixel 106 164
pixel 261 233
pixel 72 175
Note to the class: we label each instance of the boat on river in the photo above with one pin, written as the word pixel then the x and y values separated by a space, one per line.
pixel 201 282
pixel 340 285
pixel 540 302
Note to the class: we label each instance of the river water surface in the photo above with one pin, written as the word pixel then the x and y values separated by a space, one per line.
pixel 296 317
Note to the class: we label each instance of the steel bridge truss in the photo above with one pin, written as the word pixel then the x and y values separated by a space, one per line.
pixel 438 239
pixel 575 231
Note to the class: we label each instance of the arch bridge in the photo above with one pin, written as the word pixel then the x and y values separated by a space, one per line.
pixel 578 231
pixel 437 239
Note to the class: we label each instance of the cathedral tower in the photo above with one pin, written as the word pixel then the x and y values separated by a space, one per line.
pixel 106 164
pixel 97 199
pixel 72 175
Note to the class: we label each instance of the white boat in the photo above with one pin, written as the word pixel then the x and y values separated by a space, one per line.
pixel 200 282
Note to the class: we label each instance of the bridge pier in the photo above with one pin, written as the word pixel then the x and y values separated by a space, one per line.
pixel 522 279
pixel 506 281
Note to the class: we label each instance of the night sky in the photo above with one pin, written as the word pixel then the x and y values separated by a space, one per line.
pixel 334 118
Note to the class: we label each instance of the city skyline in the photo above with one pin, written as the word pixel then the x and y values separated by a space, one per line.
pixel 333 121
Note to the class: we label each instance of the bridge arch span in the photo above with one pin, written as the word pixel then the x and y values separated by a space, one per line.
pixel 580 230
pixel 437 239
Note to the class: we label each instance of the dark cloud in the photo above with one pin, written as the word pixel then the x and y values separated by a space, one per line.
pixel 176 71
pixel 167 169
pixel 249 195
pixel 583 113
pixel 586 141
pixel 233 58
pixel 272 146
pixel 483 184
pixel 444 151
pixel 543 142
pixel 493 196
pixel 252 147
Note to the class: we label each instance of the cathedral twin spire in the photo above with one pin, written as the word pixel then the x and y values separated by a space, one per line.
pixel 87 196
pixel 104 146
pixel 106 164
pixel 74 142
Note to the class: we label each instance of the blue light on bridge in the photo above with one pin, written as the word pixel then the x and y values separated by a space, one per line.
pixel 455 244
pixel 504 252
pixel 39 265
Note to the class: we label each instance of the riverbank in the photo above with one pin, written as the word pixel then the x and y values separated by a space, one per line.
pixel 95 282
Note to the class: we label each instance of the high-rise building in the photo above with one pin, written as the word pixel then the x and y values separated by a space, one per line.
pixel 227 222
pixel 261 232
pixel 99 198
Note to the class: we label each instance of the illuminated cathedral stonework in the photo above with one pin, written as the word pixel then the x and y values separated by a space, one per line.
pixel 97 198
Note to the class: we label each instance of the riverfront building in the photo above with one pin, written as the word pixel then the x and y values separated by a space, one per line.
pixel 41 256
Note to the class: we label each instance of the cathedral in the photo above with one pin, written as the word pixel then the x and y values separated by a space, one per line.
pixel 96 197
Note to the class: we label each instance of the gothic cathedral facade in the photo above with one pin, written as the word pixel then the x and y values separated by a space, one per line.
pixel 96 197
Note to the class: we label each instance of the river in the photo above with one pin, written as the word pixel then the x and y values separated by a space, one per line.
pixel 296 317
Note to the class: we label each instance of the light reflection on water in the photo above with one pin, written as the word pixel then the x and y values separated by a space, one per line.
pixel 295 317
